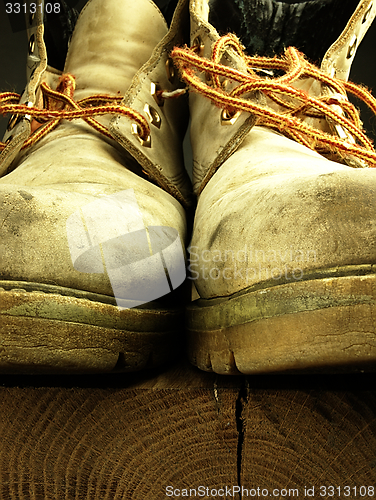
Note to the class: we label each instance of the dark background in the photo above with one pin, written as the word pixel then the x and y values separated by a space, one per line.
pixel 13 52
pixel 13 49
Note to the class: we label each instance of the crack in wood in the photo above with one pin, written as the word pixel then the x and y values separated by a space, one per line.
pixel 239 407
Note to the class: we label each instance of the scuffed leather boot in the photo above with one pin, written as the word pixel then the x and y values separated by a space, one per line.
pixel 93 217
pixel 283 248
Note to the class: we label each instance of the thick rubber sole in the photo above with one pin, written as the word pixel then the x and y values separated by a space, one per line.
pixel 320 325
pixel 52 331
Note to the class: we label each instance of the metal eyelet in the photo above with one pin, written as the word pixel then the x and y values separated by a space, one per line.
pixel 342 134
pixel 12 122
pixel 29 104
pixel 31 44
pixel 137 131
pixel 170 70
pixel 352 47
pixel 9 139
pixel 15 119
pixel 209 78
pixel 229 118
pixel 225 83
pixel 199 46
pixel 31 18
pixel 368 12
pixel 154 89
pixel 153 116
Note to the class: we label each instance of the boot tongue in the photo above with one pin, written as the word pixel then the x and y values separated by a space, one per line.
pixel 111 41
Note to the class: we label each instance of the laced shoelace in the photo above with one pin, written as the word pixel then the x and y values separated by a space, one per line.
pixel 295 104
pixel 60 105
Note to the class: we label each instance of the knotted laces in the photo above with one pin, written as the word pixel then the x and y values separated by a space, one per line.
pixel 208 77
pixel 59 105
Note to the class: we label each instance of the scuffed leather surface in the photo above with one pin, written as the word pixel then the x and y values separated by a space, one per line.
pixel 289 204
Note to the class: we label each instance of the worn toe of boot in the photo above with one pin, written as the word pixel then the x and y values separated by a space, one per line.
pixel 80 289
pixel 284 263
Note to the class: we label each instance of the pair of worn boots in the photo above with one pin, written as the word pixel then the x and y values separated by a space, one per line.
pixel 96 205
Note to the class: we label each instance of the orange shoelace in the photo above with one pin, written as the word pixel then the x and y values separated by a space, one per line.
pixel 292 101
pixel 60 105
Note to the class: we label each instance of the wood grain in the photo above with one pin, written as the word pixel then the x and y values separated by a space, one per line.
pixel 131 436
pixel 296 439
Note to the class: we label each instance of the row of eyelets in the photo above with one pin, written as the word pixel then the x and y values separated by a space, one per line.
pixel 354 40
pixel 153 115
pixel 226 117
pixel 15 119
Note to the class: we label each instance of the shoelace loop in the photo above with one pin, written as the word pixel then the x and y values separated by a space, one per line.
pixel 59 105
pixel 295 104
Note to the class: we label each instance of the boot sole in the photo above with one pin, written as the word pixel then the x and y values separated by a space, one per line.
pixel 321 325
pixel 43 331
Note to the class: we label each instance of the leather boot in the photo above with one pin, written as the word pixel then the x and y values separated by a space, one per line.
pixel 93 205
pixel 283 248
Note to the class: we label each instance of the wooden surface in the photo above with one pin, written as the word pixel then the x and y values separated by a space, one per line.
pixel 131 436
